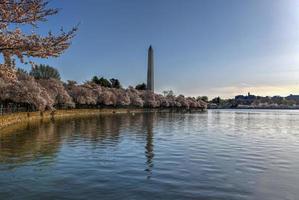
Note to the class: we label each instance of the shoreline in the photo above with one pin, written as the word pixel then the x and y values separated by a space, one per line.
pixel 22 117
pixel 8 120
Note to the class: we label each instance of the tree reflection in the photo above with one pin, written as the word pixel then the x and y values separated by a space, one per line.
pixel 33 141
pixel 43 139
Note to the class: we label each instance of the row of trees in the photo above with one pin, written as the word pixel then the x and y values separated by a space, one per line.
pixel 47 72
pixel 43 89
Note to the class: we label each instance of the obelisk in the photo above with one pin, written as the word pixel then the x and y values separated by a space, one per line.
pixel 150 70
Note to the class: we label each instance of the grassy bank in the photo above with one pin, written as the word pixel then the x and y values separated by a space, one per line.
pixel 15 118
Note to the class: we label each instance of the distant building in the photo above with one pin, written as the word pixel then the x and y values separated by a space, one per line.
pixel 277 98
pixel 293 97
pixel 241 99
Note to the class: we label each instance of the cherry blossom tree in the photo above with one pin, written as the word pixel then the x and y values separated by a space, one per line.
pixel 25 90
pixel 15 42
pixel 57 92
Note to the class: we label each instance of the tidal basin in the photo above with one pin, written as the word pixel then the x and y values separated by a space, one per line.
pixel 219 154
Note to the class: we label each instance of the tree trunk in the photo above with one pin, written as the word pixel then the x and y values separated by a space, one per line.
pixel 7 58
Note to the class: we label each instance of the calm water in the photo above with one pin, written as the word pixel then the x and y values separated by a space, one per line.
pixel 231 155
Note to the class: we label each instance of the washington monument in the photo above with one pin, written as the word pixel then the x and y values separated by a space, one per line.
pixel 150 70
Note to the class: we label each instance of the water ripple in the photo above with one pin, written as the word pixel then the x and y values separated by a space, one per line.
pixel 235 155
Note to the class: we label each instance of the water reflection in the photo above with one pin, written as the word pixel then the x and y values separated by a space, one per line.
pixel 43 139
pixel 215 155
pixel 148 122
pixel 40 139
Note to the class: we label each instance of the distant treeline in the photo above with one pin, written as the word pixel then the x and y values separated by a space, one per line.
pixel 252 101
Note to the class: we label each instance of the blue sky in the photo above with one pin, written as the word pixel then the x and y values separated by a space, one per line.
pixel 202 47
